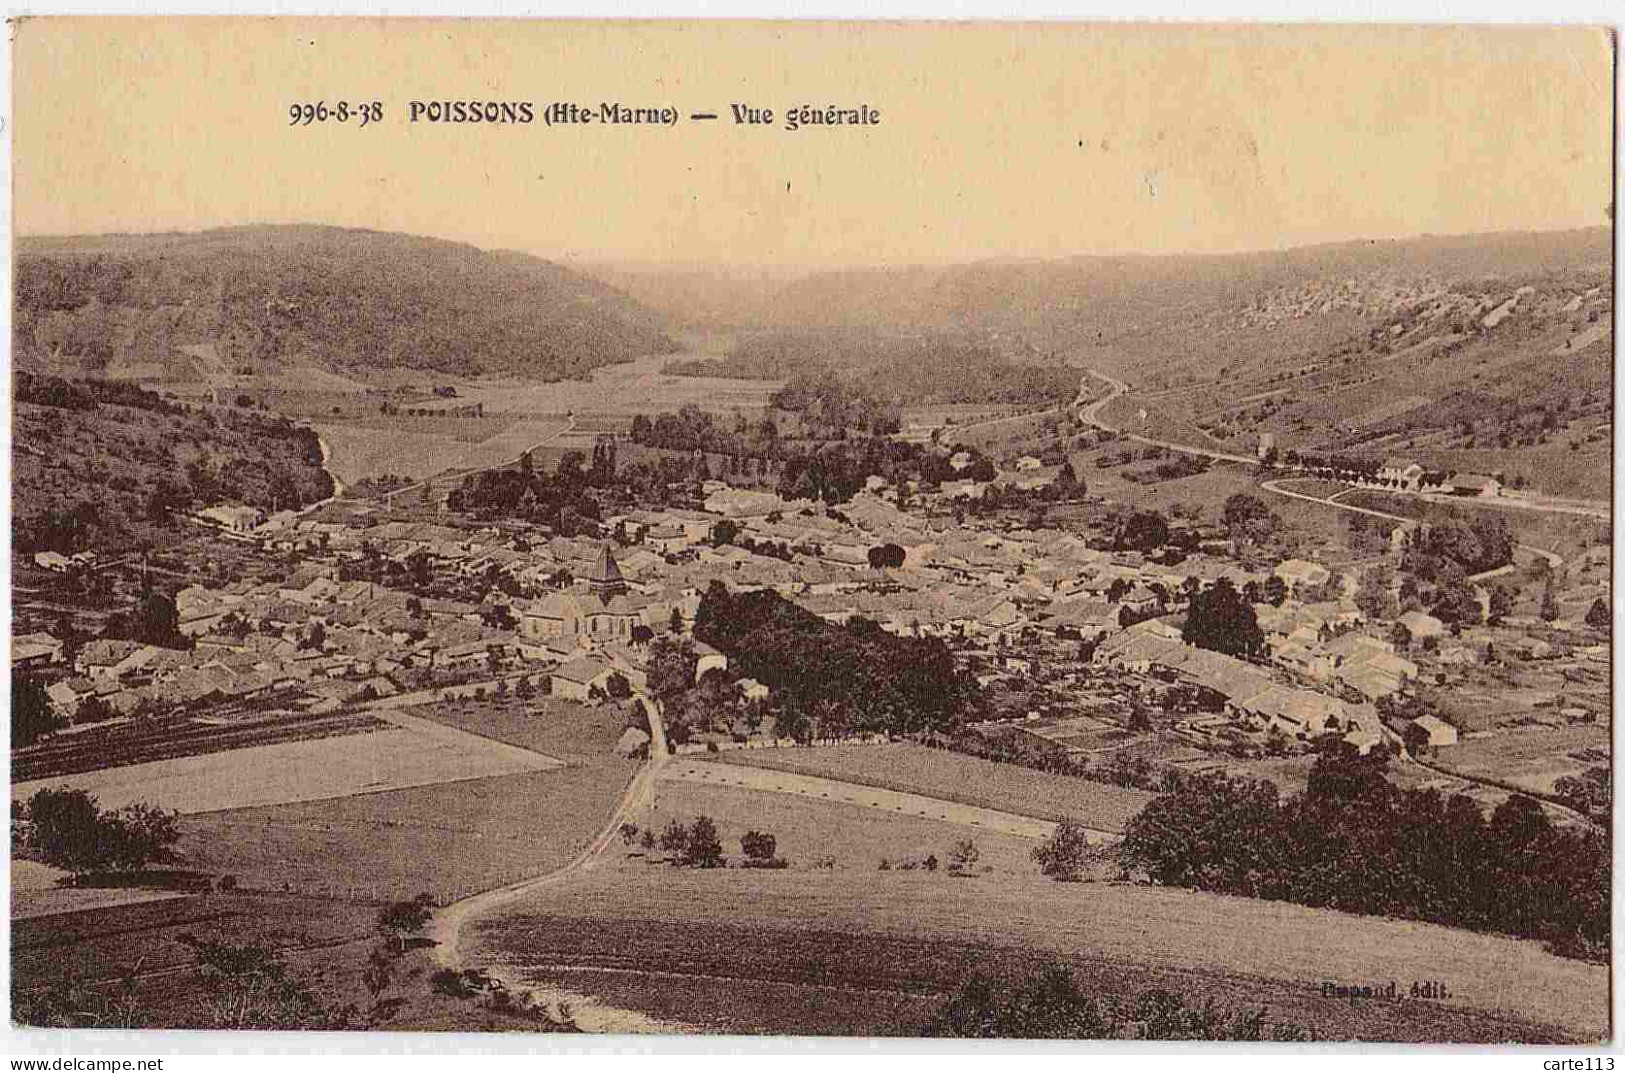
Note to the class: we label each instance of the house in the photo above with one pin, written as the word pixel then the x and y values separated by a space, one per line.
pixel 1438 731
pixel 1406 471
pixel 232 519
pixel 32 650
pixel 1473 484
pixel 1296 572
pixel 576 679
pixel 1421 625
pixel 53 561
pixel 634 742
pixel 1027 463
pixel 709 660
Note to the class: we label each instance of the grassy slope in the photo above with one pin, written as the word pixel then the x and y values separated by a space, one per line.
pixel 966 779
pixel 918 932
pixel 453 839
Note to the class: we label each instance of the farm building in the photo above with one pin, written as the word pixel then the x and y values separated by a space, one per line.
pixel 1473 484
pixel 232 519
pixel 1421 625
pixel 1406 471
pixel 1302 572
pixel 575 680
pixel 1437 730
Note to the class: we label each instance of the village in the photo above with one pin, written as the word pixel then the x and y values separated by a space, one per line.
pixel 1075 641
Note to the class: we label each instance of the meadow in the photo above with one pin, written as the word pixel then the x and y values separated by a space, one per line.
pixel 1532 757
pixel 918 933
pixel 847 837
pixel 954 777
pixel 451 839
pixel 294 771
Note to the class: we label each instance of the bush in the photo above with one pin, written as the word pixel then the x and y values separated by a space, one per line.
pixel 963 857
pixel 674 839
pixel 1066 852
pixel 758 846
pixel 704 848
pixel 69 831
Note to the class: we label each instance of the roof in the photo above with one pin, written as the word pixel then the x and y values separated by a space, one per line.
pixel 1473 480
pixel 605 571
pixel 581 670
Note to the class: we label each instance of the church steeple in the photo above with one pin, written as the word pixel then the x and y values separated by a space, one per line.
pixel 605 579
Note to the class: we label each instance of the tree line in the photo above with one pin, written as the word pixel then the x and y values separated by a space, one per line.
pixel 1355 842
pixel 835 680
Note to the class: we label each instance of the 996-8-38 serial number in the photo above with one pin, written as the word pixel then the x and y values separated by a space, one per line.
pixel 340 111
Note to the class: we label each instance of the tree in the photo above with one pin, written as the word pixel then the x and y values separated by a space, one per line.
pixel 1275 591
pixel 703 848
pixel 674 625
pixel 1457 605
pixel 617 687
pixel 674 839
pixel 1400 637
pixel 1501 603
pixel 69 831
pixel 1145 531
pixel 1598 617
pixel 1219 619
pixel 1373 596
pixel 1247 519
pixel 1548 603
pixel 628 833
pixel 32 717
pixel 963 857
pixel 758 847
pixel 886 555
pixel 671 667
pixel 399 919
pixel 1063 856
pixel 724 532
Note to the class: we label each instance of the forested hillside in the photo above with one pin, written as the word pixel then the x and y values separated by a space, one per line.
pixel 279 299
pixel 99 465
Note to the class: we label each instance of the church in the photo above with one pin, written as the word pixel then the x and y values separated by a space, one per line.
pixel 605 613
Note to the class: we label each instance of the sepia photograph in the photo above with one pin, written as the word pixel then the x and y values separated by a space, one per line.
pixel 907 530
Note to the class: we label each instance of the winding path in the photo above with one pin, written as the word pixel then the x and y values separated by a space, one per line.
pixel 446 927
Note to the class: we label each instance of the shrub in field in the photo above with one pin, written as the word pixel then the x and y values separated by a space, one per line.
pixel 760 852
pixel 758 846
pixel 930 863
pixel 963 857
pixel 629 833
pixel 704 848
pixel 400 919
pixel 1063 856
pixel 647 840
pixel 674 839
pixel 69 831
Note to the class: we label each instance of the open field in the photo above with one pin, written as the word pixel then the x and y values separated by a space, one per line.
pixel 359 451
pixel 969 780
pixel 812 786
pixel 106 745
pixel 918 934
pixel 101 944
pixel 856 837
pixel 1534 757
pixel 450 839
pixel 627 388
pixel 405 755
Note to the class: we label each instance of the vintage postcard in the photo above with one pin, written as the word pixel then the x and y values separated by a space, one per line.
pixel 1025 530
